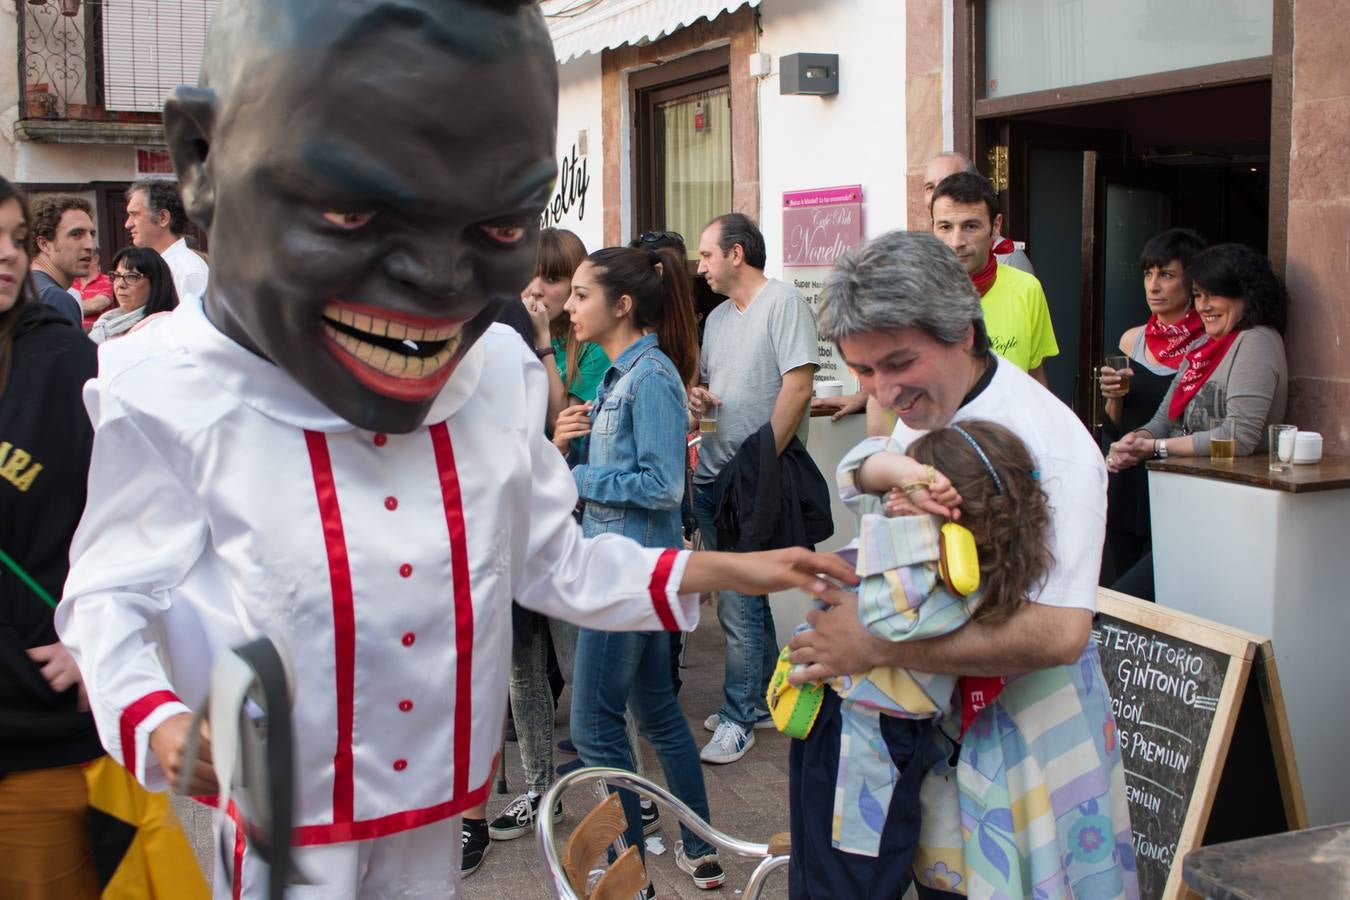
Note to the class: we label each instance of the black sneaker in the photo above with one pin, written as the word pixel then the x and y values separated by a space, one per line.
pixel 705 870
pixel 570 766
pixel 476 844
pixel 518 818
pixel 651 815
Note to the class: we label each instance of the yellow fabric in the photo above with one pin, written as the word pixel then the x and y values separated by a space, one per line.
pixel 159 864
pixel 44 836
pixel 1017 318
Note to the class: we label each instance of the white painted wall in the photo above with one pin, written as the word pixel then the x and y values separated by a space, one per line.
pixel 579 109
pixel 854 137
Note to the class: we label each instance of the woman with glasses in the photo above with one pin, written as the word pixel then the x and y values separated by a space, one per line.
pixel 142 287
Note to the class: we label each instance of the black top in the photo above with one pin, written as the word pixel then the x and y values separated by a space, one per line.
pixel 1127 491
pixel 45 439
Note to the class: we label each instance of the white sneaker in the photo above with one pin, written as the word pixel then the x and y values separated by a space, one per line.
pixel 763 719
pixel 729 743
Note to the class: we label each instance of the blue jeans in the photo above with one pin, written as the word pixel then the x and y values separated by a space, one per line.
pixel 747 626
pixel 618 669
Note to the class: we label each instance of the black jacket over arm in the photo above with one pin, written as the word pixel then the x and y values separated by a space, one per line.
pixel 766 502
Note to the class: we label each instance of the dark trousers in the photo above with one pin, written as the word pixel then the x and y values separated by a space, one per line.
pixel 817 869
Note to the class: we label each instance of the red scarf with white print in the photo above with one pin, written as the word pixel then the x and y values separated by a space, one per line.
pixel 1168 343
pixel 1202 361
pixel 985 278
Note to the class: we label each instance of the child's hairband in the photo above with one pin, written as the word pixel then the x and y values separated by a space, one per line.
pixel 998 482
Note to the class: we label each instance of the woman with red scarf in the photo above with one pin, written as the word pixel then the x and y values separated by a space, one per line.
pixel 1156 350
pixel 1238 371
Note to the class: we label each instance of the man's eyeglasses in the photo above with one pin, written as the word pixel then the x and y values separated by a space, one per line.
pixel 129 278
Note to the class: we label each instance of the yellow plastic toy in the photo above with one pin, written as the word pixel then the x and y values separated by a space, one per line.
pixel 794 709
pixel 958 560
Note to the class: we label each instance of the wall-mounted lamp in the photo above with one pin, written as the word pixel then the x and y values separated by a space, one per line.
pixel 809 73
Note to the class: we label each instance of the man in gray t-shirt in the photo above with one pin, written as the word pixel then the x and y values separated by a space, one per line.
pixel 759 355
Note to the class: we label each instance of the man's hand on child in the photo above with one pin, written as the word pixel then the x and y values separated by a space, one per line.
pixel 837 643
pixel 169 744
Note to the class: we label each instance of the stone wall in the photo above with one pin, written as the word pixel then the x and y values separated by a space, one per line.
pixel 1318 260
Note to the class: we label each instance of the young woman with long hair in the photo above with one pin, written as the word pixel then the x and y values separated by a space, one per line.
pixel 45 441
pixel 577 365
pixel 629 450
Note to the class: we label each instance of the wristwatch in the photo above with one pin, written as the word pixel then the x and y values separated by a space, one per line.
pixel 541 352
pixel 1160 448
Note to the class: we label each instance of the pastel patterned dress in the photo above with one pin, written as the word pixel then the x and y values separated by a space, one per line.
pixel 1040 789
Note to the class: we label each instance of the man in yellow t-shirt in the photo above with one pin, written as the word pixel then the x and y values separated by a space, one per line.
pixel 1016 315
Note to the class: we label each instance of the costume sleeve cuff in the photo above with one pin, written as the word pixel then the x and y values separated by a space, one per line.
pixel 137 722
pixel 676 611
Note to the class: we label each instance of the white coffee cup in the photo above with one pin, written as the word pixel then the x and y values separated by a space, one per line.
pixel 1307 447
pixel 829 389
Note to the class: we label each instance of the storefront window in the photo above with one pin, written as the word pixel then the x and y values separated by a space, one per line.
pixel 1037 45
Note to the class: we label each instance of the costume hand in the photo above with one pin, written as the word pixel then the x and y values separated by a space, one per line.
pixel 58 667
pixel 699 398
pixel 573 422
pixel 1129 450
pixel 764 572
pixel 837 643
pixel 1115 383
pixel 539 319
pixel 169 744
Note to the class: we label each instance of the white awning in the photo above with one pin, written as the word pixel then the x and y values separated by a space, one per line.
pixel 579 27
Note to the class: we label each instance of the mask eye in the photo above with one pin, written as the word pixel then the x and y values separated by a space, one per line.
pixel 504 235
pixel 349 221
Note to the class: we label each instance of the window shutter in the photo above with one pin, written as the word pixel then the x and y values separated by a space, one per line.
pixel 151 47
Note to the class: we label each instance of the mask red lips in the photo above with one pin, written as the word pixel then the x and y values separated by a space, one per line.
pixel 395 354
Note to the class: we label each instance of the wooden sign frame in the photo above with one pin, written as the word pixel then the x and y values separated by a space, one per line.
pixel 1248 655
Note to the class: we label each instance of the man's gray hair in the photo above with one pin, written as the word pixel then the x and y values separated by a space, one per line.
pixel 899 280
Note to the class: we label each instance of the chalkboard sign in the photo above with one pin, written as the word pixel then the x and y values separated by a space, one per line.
pixel 1178 685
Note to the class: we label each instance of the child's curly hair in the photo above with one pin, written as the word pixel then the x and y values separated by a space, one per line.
pixel 1011 528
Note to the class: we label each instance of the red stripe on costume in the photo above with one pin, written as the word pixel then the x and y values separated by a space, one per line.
pixel 369 829
pixel 659 587
pixel 238 885
pixel 133 716
pixel 459 570
pixel 344 620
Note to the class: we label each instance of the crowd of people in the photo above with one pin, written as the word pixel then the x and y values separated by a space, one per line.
pixel 190 458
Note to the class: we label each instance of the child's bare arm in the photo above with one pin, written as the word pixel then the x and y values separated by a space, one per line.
pixel 909 483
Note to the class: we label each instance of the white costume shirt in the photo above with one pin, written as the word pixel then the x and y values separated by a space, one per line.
pixel 225 503
pixel 1072 473
pixel 189 270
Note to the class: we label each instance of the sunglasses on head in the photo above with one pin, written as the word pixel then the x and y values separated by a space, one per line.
pixel 659 237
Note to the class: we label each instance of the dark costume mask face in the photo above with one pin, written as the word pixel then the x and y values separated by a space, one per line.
pixel 372 173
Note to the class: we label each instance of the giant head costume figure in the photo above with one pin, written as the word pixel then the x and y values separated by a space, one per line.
pixel 371 172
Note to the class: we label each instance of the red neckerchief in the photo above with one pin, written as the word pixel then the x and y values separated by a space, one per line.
pixel 1202 361
pixel 1168 343
pixel 984 279
pixel 1003 247
pixel 976 693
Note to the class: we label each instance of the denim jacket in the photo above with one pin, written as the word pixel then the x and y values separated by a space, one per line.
pixel 631 471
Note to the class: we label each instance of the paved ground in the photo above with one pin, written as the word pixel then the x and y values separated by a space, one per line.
pixel 748 798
